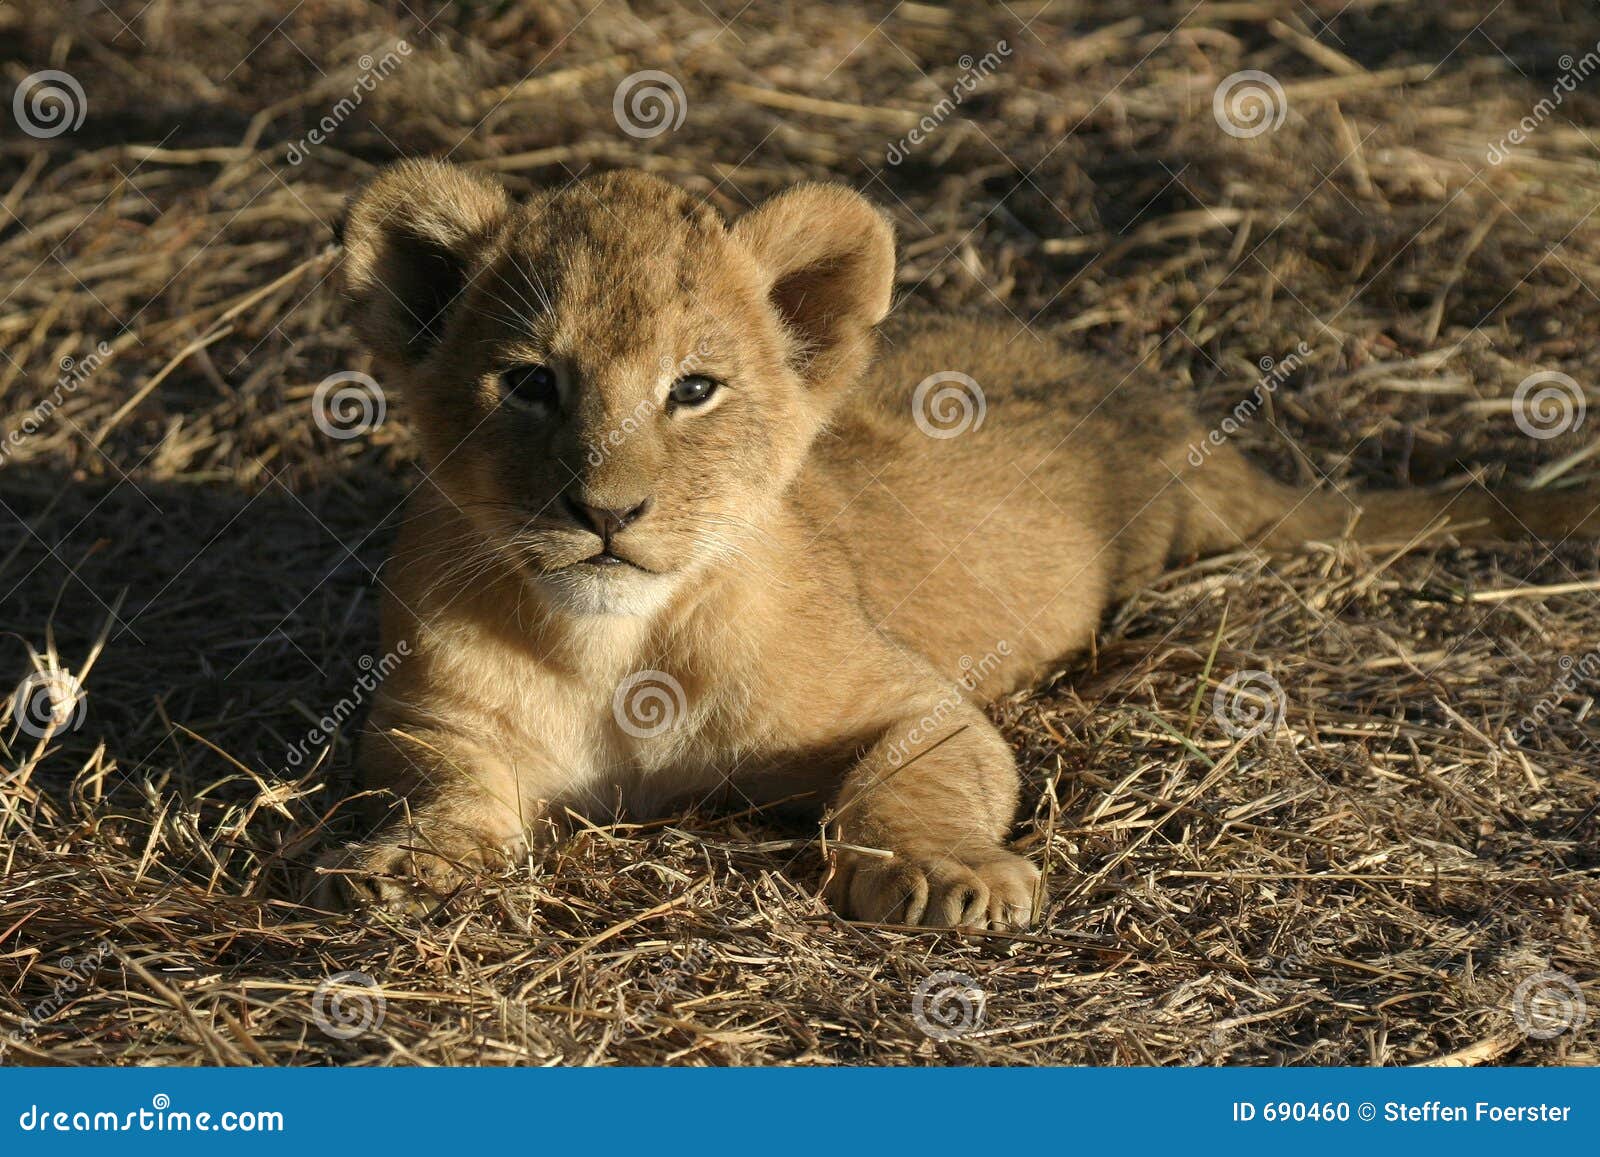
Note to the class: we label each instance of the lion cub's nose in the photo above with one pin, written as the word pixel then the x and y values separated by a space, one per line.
pixel 604 520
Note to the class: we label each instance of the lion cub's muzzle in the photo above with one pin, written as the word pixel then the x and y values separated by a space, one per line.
pixel 606 522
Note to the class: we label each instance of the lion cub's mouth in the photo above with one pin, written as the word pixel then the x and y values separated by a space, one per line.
pixel 609 558
pixel 549 552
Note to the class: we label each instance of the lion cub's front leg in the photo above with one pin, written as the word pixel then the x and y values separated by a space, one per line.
pixel 941 799
pixel 445 809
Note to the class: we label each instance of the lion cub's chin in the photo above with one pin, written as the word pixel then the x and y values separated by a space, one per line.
pixel 617 590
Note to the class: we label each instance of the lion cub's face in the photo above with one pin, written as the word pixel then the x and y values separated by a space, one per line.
pixel 612 383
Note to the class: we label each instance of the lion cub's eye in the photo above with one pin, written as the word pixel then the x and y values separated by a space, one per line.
pixel 531 386
pixel 694 390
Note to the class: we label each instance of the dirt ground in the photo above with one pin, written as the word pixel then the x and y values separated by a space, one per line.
pixel 1391 219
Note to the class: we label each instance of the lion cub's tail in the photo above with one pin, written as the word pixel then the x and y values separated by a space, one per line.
pixel 1235 504
pixel 1473 513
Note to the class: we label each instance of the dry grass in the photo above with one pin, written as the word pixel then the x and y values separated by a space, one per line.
pixel 1367 885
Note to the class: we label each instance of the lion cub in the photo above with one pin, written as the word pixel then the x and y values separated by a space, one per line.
pixel 695 524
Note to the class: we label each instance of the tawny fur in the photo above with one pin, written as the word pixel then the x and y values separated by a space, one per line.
pixel 835 592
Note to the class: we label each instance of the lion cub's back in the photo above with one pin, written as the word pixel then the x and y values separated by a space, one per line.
pixel 983 482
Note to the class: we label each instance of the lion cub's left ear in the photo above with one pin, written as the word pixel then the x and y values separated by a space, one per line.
pixel 413 238
pixel 830 256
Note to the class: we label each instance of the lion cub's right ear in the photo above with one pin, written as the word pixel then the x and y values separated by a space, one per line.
pixel 412 240
pixel 829 259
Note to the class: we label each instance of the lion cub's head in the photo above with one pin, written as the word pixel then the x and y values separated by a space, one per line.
pixel 611 381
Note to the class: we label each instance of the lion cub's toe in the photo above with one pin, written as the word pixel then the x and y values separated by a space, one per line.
pixel 1013 883
pixel 992 892
pixel 405 872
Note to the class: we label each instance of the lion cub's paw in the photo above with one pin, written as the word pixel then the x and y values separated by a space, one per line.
pixel 406 871
pixel 993 890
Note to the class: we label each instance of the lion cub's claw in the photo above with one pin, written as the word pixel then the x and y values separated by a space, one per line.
pixel 994 891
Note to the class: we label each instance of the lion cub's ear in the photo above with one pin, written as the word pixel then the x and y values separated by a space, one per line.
pixel 412 239
pixel 830 256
